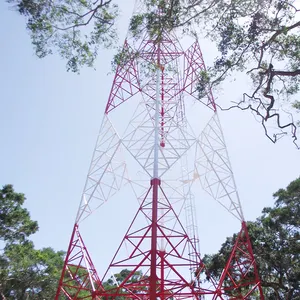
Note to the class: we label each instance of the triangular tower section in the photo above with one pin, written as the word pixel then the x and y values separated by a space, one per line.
pixel 212 166
pixel 79 279
pixel 106 172
pixel 240 279
pixel 168 47
pixel 126 82
pixel 195 77
pixel 166 266
pixel 139 138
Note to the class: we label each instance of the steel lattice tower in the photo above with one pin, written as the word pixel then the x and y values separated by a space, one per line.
pixel 157 77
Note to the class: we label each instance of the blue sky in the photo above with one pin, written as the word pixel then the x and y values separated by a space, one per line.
pixel 49 124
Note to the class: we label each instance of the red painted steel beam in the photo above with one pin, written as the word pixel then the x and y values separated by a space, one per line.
pixel 155 182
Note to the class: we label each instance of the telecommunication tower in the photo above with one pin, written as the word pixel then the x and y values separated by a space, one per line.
pixel 159 252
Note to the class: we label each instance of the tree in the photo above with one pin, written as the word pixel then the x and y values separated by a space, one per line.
pixel 72 28
pixel 259 38
pixel 276 243
pixel 15 222
pixel 25 272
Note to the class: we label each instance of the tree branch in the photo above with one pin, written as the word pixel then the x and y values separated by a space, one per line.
pixel 256 109
pixel 92 12
pixel 273 37
pixel 187 8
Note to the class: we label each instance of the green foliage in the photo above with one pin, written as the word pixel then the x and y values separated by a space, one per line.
pixel 248 34
pixel 15 222
pixel 203 83
pixel 28 273
pixel 114 281
pixel 257 37
pixel 253 34
pixel 276 243
pixel 296 104
pixel 25 272
pixel 75 29
pixel 122 57
pixel 76 282
pixel 159 16
pixel 244 31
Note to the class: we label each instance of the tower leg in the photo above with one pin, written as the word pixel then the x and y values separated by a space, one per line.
pixel 240 278
pixel 79 279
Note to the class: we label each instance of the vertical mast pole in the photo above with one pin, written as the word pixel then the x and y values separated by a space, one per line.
pixel 155 182
pixel 157 115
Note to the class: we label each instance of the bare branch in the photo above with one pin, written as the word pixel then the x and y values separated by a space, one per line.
pixel 263 119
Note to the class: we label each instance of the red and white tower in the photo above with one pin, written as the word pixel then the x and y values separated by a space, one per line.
pixel 155 82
